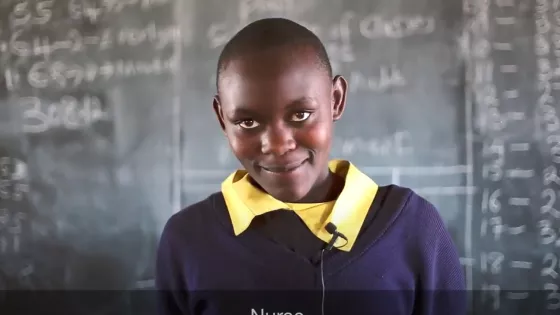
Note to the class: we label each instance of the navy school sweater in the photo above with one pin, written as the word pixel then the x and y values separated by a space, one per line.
pixel 403 262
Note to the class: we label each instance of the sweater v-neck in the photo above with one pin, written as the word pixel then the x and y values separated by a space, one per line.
pixel 271 252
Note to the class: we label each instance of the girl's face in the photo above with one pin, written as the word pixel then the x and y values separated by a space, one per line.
pixel 277 110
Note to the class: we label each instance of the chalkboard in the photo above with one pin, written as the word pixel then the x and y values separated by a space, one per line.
pixel 455 99
pixel 103 103
pixel 88 137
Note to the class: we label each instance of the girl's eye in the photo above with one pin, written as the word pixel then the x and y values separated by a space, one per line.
pixel 248 124
pixel 301 116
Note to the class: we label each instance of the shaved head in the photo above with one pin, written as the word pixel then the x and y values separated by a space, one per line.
pixel 272 33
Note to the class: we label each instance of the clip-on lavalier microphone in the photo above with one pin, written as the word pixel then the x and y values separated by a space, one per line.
pixel 332 229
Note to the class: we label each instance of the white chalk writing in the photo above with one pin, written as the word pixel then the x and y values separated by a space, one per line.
pixel 81 9
pixel 157 36
pixel 548 234
pixel 375 26
pixel 13 179
pixel 248 8
pixel 69 113
pixel 551 267
pixel 493 260
pixel 371 26
pixel 398 144
pixel 10 230
pixel 58 74
pixel 389 77
pixel 25 13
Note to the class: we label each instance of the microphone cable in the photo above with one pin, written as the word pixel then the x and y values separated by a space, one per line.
pixel 336 234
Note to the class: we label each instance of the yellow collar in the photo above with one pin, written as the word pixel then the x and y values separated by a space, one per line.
pixel 347 212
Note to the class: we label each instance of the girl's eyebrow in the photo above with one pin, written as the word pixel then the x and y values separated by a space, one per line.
pixel 306 100
pixel 239 111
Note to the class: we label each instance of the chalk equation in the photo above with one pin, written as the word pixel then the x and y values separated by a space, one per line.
pixel 92 11
pixel 396 144
pixel 62 75
pixel 26 13
pixel 69 112
pixel 368 26
pixel 43 55
pixel 546 48
pixel 376 26
pixel 496 263
pixel 387 78
pixel 501 168
pixel 73 41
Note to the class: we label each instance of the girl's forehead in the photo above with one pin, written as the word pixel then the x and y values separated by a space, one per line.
pixel 278 71
pixel 257 85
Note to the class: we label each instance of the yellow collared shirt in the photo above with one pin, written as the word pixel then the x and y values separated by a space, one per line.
pixel 244 202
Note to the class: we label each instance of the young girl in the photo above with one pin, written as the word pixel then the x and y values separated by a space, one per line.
pixel 294 232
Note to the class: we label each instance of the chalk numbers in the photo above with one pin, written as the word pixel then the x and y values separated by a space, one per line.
pixel 551 268
pixel 494 150
pixel 10 230
pixel 550 271
pixel 550 195
pixel 13 179
pixel 491 294
pixel 547 41
pixel 13 186
pixel 68 112
pixel 491 201
pixel 25 13
pixel 549 235
pixel 491 262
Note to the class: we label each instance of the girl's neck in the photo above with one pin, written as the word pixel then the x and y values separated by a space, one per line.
pixel 326 189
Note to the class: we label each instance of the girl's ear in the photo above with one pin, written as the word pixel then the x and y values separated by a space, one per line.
pixel 218 111
pixel 338 98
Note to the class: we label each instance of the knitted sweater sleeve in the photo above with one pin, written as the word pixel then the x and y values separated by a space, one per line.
pixel 441 281
pixel 172 296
